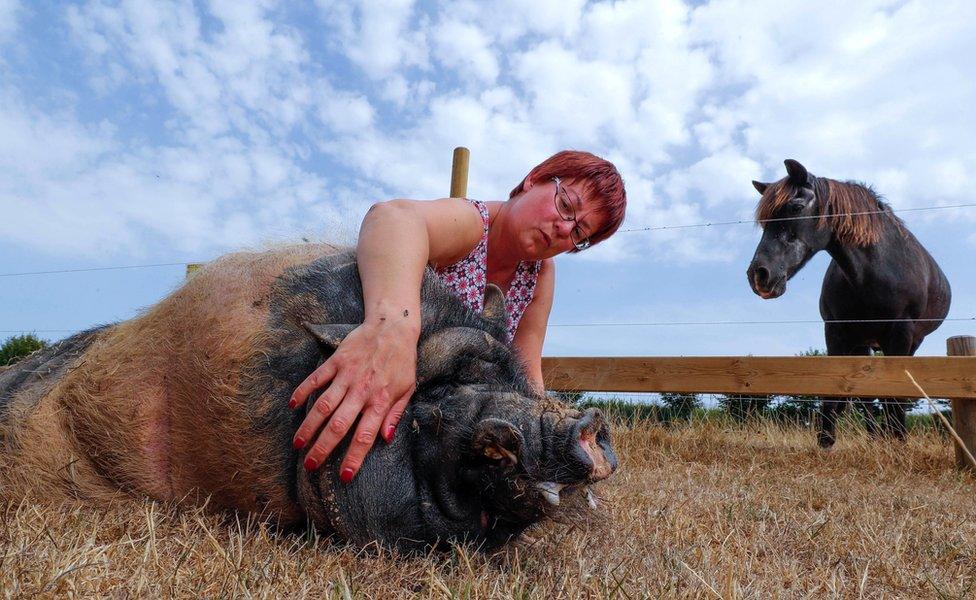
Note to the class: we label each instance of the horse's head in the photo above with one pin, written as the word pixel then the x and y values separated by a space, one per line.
pixel 789 214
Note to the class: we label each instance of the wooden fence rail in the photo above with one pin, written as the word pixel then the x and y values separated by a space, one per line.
pixel 876 377
pixel 952 377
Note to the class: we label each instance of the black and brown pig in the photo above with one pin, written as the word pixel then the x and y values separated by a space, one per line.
pixel 189 401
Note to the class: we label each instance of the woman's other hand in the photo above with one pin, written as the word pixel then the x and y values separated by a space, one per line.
pixel 370 377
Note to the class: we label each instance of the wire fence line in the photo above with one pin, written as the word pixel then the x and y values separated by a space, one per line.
pixel 88 269
pixel 770 322
pixel 631 230
pixel 710 400
pixel 798 218
pixel 645 324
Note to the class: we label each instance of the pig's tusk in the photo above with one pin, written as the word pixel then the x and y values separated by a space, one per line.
pixel 550 491
pixel 591 498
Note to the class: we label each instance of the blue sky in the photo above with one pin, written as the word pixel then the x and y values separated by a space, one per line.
pixel 169 131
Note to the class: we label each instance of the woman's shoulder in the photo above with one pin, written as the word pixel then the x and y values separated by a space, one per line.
pixel 454 227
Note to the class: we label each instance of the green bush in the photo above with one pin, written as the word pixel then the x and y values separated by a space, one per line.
pixel 19 346
pixel 627 412
pixel 679 407
pixel 744 408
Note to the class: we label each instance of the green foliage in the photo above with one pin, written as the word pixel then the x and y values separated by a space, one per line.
pixel 801 410
pixel 679 407
pixel 19 346
pixel 744 408
pixel 628 412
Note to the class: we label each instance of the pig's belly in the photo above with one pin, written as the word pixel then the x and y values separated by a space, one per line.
pixel 203 447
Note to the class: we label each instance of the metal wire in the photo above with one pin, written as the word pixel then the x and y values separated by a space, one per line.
pixel 771 322
pixel 87 269
pixel 798 218
pixel 712 401
pixel 656 228
pixel 647 324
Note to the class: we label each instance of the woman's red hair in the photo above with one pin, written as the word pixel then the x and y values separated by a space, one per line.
pixel 599 179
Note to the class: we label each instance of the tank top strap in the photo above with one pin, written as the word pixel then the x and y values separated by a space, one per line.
pixel 521 292
pixel 468 277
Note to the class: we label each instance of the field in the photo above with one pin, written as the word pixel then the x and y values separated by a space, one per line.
pixel 697 511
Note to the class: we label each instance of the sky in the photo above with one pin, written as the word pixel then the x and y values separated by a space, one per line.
pixel 163 132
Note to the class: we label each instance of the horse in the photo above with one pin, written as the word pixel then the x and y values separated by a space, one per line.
pixel 882 290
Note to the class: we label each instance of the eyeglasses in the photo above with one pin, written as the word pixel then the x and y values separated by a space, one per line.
pixel 567 212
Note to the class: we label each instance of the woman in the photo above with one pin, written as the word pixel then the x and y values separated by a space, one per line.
pixel 569 202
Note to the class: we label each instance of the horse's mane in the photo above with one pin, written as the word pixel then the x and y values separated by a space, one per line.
pixel 852 210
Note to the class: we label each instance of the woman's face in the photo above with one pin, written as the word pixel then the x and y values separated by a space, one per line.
pixel 541 229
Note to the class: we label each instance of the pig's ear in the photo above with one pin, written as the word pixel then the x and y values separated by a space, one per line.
pixel 457 353
pixel 495 305
pixel 329 334
pixel 497 443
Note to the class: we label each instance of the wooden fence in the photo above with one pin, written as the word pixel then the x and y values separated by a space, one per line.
pixel 952 377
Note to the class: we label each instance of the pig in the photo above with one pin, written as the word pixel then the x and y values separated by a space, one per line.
pixel 187 403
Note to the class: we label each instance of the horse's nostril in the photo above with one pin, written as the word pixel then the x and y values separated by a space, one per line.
pixel 762 275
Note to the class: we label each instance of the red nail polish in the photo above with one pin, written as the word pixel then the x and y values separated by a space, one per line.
pixel 298 443
pixel 388 434
pixel 310 464
pixel 345 476
pixel 292 403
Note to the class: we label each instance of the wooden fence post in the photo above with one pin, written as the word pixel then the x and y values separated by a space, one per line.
pixel 459 172
pixel 963 411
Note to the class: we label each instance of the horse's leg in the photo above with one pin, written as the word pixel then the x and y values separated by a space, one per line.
pixel 900 342
pixel 866 405
pixel 830 408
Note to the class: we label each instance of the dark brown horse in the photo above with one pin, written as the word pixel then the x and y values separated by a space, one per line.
pixel 882 290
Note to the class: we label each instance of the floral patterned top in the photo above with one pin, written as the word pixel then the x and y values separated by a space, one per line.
pixel 468 278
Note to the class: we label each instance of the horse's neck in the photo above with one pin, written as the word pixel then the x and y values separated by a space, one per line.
pixel 862 264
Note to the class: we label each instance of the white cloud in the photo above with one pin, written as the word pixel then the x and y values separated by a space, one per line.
pixel 248 71
pixel 9 10
pixel 466 49
pixel 79 191
pixel 376 35
pixel 866 91
pixel 690 103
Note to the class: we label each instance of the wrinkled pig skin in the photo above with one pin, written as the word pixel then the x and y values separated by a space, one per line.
pixel 188 403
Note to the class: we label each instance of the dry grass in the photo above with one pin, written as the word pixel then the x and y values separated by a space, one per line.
pixel 694 512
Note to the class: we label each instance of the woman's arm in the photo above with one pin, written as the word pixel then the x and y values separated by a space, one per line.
pixel 371 376
pixel 531 332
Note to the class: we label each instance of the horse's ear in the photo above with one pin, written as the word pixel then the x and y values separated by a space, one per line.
pixel 760 186
pixel 797 172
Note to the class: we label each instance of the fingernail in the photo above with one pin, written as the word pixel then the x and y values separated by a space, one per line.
pixel 298 443
pixel 310 464
pixel 345 476
pixel 388 434
pixel 292 403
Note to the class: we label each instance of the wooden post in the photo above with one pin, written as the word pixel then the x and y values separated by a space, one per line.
pixel 963 411
pixel 459 173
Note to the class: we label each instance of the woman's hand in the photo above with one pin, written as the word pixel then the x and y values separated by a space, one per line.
pixel 373 376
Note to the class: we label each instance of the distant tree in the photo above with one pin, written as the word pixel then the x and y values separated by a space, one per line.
pixel 19 346
pixel 798 409
pixel 679 407
pixel 743 408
